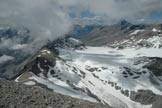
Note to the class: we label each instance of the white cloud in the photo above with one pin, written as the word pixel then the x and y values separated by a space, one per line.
pixel 5 58
pixel 44 18
pixel 19 46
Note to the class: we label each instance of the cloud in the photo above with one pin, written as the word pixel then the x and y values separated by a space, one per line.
pixel 111 10
pixel 49 19
pixel 44 18
pixel 118 9
pixel 5 58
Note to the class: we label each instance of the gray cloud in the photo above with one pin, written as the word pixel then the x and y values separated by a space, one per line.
pixel 111 10
pixel 5 58
pixel 49 19
pixel 44 18
pixel 125 8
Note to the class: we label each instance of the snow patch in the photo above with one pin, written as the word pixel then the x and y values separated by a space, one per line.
pixel 45 51
pixel 29 83
pixel 156 30
pixel 136 32
pixel 156 41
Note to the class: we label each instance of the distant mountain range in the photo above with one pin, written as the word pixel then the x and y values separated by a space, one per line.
pixel 107 35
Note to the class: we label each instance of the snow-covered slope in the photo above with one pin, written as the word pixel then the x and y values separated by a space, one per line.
pixel 154 42
pixel 108 77
pixel 124 75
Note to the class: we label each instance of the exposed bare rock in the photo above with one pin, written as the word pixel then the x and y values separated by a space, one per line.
pixel 146 97
pixel 16 95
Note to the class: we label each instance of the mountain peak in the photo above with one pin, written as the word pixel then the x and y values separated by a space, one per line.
pixel 124 22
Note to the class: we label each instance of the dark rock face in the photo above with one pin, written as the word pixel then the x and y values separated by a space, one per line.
pixel 146 97
pixel 155 66
pixel 157 103
pixel 16 95
pixel 42 63
pixel 124 24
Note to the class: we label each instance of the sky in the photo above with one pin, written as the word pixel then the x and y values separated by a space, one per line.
pixel 51 19
pixel 110 11
pixel 157 16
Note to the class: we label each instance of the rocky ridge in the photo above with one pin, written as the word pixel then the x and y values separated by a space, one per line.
pixel 17 95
